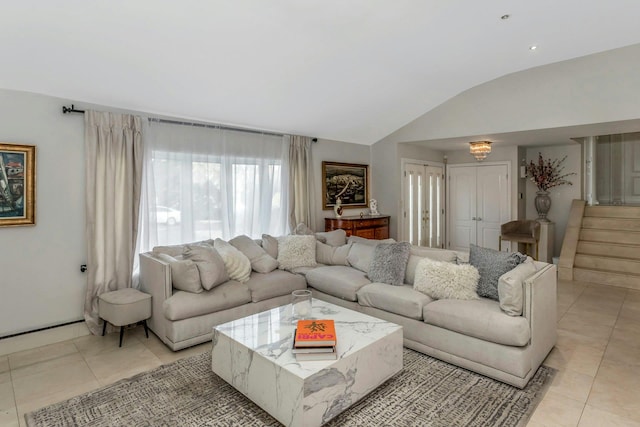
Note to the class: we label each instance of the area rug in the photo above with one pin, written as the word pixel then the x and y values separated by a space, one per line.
pixel 427 392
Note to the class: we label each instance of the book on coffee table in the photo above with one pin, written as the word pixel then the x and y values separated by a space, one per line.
pixel 315 333
pixel 301 357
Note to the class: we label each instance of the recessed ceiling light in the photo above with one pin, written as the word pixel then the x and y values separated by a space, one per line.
pixel 505 16
pixel 534 47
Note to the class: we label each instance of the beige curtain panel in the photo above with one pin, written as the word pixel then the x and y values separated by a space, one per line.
pixel 113 160
pixel 300 182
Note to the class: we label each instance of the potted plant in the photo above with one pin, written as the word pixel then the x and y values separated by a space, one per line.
pixel 546 174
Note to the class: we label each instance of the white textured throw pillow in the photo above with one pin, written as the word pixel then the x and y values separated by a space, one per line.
pixel 237 264
pixel 445 280
pixel 296 251
pixel 510 287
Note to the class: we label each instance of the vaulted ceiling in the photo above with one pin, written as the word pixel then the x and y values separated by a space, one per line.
pixel 348 70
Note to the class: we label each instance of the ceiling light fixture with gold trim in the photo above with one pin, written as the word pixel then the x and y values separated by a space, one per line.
pixel 480 149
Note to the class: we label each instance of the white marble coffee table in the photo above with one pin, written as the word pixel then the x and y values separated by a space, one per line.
pixel 253 354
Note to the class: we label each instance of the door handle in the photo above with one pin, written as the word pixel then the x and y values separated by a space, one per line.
pixel 473 219
pixel 479 219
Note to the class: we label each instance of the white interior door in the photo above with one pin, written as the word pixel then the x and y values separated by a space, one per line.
pixel 478 202
pixel 423 196
pixel 493 208
pixel 461 207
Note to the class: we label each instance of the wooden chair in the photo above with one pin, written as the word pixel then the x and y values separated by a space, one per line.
pixel 521 231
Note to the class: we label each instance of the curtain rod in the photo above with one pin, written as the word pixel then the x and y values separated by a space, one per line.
pixel 212 126
pixel 66 110
pixel 72 109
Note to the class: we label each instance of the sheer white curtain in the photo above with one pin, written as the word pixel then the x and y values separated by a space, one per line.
pixel 204 182
pixel 113 164
pixel 300 182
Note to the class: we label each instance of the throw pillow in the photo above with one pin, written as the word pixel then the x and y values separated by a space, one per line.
pixel 510 287
pixel 333 238
pixel 260 260
pixel 209 263
pixel 360 256
pixel 270 245
pixel 237 264
pixel 389 263
pixel 331 255
pixel 418 253
pixel 492 264
pixel 446 280
pixel 296 251
pixel 184 273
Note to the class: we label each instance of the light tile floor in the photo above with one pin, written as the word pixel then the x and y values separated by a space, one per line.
pixel 597 356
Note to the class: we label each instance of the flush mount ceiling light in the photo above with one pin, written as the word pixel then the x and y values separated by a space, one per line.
pixel 505 17
pixel 480 149
pixel 534 47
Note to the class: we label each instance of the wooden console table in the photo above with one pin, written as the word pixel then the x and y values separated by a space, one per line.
pixel 369 227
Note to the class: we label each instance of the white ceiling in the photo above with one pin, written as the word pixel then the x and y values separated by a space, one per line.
pixel 349 70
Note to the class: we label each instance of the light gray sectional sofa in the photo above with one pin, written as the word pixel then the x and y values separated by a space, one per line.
pixel 477 334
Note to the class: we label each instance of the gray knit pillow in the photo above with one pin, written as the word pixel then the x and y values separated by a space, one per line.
pixel 389 263
pixel 492 264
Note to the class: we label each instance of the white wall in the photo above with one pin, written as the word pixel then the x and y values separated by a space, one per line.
pixel 40 280
pixel 592 89
pixel 337 151
pixel 562 196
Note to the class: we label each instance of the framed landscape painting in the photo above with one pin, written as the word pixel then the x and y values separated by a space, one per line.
pixel 17 184
pixel 348 181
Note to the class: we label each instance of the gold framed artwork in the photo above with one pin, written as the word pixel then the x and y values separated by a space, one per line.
pixel 17 185
pixel 347 181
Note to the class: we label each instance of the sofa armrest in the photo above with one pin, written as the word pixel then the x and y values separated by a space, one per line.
pixel 540 308
pixel 155 279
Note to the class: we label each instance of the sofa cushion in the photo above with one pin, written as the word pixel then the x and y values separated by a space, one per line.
pixel 402 300
pixel 492 264
pixel 365 241
pixel 332 255
pixel 270 245
pixel 389 263
pixel 237 264
pixel 337 280
pixel 333 238
pixel 176 250
pixel 184 305
pixel 417 253
pixel 296 251
pixel 360 256
pixel 510 287
pixel 482 319
pixel 260 260
pixel 445 280
pixel 210 265
pixel 184 273
pixel 274 284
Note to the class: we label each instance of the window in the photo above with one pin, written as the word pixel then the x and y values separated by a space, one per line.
pixel 205 183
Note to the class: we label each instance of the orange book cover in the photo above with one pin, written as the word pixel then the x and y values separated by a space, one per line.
pixel 315 333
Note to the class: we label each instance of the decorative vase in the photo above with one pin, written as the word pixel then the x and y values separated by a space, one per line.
pixel 543 204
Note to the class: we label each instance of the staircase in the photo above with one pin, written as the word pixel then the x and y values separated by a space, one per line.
pixel 608 248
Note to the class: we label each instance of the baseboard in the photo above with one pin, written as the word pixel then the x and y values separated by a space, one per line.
pixel 46 336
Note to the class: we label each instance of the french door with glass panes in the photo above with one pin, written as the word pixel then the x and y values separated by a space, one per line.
pixel 423 200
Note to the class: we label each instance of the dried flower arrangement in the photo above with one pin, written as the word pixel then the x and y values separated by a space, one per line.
pixel 547 174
